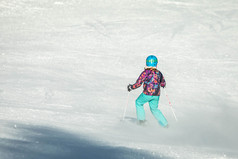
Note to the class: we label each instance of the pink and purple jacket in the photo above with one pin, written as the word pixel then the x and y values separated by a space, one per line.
pixel 152 79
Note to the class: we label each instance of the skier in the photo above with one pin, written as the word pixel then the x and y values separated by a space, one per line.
pixel 152 80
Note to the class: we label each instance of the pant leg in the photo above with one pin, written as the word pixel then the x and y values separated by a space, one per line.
pixel 140 101
pixel 156 112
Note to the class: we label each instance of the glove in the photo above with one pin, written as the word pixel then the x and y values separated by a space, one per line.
pixel 162 84
pixel 129 87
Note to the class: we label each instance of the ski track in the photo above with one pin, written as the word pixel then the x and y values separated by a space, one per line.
pixel 65 65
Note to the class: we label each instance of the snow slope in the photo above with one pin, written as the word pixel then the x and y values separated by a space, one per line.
pixel 65 65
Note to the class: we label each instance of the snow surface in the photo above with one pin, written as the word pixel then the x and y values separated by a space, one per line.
pixel 65 65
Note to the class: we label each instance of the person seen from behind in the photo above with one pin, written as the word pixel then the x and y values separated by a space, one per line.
pixel 152 79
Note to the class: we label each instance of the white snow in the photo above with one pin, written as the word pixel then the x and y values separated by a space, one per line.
pixel 65 65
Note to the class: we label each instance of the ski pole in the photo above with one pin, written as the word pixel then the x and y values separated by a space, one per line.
pixel 124 114
pixel 170 105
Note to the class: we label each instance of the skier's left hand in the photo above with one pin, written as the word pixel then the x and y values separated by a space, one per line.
pixel 162 84
pixel 129 87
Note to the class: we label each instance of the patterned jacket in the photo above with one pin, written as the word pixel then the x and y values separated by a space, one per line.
pixel 152 79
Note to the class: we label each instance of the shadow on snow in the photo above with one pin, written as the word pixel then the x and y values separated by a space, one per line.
pixel 45 142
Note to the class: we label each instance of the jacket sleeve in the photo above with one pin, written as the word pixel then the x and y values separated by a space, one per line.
pixel 140 80
pixel 162 80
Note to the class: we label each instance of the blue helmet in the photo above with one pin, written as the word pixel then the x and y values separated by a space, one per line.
pixel 151 61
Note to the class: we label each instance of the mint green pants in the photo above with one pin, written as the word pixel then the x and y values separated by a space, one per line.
pixel 153 103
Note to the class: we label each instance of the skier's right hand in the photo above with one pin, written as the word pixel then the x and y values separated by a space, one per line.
pixel 129 87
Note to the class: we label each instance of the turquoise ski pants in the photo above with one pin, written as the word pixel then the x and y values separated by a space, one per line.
pixel 153 103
